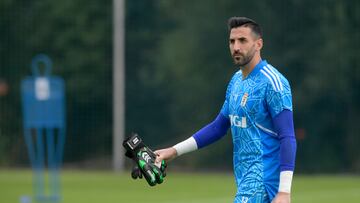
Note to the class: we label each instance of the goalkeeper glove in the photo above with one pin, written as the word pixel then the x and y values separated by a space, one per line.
pixel 145 161
pixel 136 172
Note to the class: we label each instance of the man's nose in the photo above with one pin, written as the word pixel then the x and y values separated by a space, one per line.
pixel 237 46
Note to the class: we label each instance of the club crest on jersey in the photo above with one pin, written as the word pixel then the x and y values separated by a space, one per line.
pixel 244 99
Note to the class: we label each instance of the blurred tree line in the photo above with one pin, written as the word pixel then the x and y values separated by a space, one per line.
pixel 177 69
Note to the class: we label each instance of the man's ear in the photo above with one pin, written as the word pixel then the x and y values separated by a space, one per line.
pixel 259 44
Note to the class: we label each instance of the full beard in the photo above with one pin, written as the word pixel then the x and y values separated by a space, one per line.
pixel 242 60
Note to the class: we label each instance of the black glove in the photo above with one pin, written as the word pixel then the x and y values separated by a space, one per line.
pixel 145 161
pixel 136 172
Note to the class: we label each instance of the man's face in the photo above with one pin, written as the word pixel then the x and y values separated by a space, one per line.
pixel 243 45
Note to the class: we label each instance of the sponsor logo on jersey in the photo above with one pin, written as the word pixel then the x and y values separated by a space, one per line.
pixel 237 121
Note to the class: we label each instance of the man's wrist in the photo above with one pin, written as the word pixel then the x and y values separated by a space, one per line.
pixel 175 153
pixel 185 146
pixel 285 181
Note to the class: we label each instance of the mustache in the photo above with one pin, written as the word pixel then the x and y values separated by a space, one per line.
pixel 237 53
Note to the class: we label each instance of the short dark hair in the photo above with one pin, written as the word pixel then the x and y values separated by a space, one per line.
pixel 235 22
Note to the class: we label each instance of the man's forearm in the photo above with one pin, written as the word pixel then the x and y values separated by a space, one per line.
pixel 284 126
pixel 207 135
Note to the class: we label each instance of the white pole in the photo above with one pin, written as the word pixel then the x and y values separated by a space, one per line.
pixel 118 83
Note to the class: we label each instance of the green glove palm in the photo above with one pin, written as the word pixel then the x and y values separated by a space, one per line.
pixel 154 174
pixel 144 160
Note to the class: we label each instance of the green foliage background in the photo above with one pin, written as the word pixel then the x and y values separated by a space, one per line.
pixel 177 69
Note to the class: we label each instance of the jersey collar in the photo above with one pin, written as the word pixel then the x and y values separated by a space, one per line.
pixel 257 68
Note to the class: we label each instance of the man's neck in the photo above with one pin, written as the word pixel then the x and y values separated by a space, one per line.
pixel 246 70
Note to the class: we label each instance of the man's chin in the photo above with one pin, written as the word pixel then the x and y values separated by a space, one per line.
pixel 239 63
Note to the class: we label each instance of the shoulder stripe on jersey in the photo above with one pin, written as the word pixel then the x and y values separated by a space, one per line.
pixel 271 68
pixel 273 76
pixel 269 77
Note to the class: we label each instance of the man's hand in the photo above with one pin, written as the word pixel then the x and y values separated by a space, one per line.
pixel 281 197
pixel 136 172
pixel 146 163
pixel 144 159
pixel 165 154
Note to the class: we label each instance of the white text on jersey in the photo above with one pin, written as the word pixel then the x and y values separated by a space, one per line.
pixel 235 120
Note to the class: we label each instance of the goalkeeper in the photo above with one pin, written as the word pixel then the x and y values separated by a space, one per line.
pixel 258 109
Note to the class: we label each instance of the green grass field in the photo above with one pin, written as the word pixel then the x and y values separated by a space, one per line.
pixel 108 187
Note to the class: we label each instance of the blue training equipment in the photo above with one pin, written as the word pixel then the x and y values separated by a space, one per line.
pixel 44 127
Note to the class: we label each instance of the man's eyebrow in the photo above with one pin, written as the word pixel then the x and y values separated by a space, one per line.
pixel 237 37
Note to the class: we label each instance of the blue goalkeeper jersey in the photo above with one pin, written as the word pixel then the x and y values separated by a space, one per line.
pixel 251 104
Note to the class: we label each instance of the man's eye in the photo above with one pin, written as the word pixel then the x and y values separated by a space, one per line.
pixel 243 40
